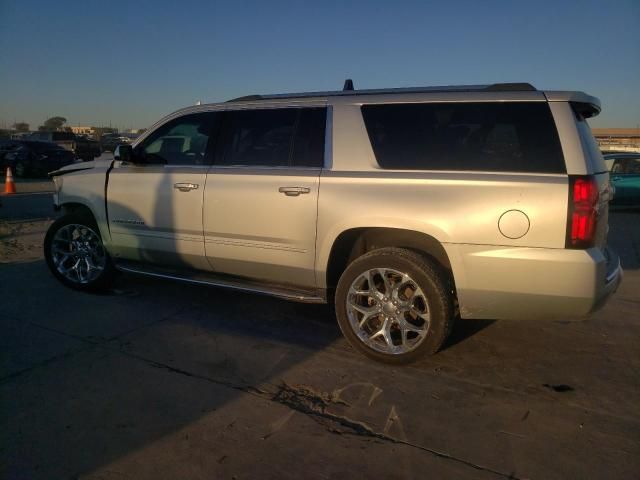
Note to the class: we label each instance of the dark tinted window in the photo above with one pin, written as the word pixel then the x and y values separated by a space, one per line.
pixel 259 137
pixel 510 136
pixel 182 141
pixel 275 138
pixel 626 165
pixel 308 146
pixel 62 136
pixel 43 146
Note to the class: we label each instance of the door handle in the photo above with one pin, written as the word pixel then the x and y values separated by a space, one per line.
pixel 185 187
pixel 293 191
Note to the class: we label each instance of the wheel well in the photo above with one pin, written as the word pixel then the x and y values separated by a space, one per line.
pixel 77 208
pixel 353 243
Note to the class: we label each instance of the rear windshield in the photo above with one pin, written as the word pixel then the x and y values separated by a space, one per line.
pixel 508 136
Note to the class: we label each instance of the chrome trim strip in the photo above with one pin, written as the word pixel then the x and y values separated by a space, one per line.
pixel 263 168
pixel 613 275
pixel 240 243
pixel 241 288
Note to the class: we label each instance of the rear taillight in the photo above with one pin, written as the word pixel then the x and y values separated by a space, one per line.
pixel 583 212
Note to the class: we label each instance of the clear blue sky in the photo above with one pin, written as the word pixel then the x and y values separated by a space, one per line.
pixel 131 62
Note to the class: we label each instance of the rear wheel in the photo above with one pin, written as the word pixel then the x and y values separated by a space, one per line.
pixel 76 255
pixel 394 305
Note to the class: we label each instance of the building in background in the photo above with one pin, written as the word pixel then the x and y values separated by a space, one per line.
pixel 83 130
pixel 618 139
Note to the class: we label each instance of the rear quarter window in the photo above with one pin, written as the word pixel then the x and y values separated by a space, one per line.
pixel 508 136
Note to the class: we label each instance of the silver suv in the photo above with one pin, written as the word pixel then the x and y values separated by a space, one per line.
pixel 405 207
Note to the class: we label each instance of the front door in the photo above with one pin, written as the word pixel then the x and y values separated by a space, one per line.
pixel 155 205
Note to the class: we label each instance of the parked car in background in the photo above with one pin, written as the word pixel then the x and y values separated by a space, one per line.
pixel 6 146
pixel 33 158
pixel 110 142
pixel 624 171
pixel 84 148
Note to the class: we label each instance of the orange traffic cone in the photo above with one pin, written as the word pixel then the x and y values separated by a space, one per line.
pixel 9 184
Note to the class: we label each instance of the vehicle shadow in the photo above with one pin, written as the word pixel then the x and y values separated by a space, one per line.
pixel 109 377
pixel 464 329
pixel 624 238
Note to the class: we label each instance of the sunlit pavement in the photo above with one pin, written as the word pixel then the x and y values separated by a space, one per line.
pixel 161 380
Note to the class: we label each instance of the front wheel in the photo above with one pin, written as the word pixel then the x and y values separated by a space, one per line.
pixel 394 305
pixel 76 255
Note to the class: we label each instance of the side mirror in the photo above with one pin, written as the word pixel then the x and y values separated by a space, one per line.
pixel 124 153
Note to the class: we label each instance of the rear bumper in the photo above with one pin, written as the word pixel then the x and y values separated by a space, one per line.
pixel 532 283
pixel 613 278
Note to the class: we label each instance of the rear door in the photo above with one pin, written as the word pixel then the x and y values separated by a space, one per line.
pixel 260 201
pixel 155 207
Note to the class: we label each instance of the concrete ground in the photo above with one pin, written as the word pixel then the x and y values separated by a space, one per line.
pixel 161 380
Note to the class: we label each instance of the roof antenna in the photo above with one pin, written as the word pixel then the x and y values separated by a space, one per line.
pixel 348 85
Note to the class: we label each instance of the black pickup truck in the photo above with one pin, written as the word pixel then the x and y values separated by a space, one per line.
pixel 84 148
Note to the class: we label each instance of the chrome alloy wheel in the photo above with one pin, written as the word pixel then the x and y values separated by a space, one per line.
pixel 388 311
pixel 78 254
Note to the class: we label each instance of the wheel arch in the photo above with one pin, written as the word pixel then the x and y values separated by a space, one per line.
pixel 352 243
pixel 75 207
pixel 69 208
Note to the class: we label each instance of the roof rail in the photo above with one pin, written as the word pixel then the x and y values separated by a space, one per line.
pixel 511 87
pixel 246 98
pixel 496 87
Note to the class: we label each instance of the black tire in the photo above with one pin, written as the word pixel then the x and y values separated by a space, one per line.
pixel 427 275
pixel 104 279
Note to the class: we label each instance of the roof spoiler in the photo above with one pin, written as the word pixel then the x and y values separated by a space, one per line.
pixel 587 110
pixel 584 104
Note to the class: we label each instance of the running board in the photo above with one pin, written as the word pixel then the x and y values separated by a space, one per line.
pixel 242 285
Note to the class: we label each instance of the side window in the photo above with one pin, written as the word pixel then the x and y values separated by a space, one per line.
pixel 308 146
pixel 510 136
pixel 634 166
pixel 618 166
pixel 259 137
pixel 182 141
pixel 626 166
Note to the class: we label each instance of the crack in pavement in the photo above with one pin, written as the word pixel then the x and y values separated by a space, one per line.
pixel 314 404
pixel 305 400
pixel 72 352
pixel 44 363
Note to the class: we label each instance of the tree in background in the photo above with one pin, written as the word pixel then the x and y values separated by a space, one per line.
pixel 53 124
pixel 21 127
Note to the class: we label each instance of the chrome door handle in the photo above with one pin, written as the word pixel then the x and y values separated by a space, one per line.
pixel 185 187
pixel 293 191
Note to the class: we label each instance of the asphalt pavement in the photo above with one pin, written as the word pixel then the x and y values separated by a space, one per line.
pixel 162 380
